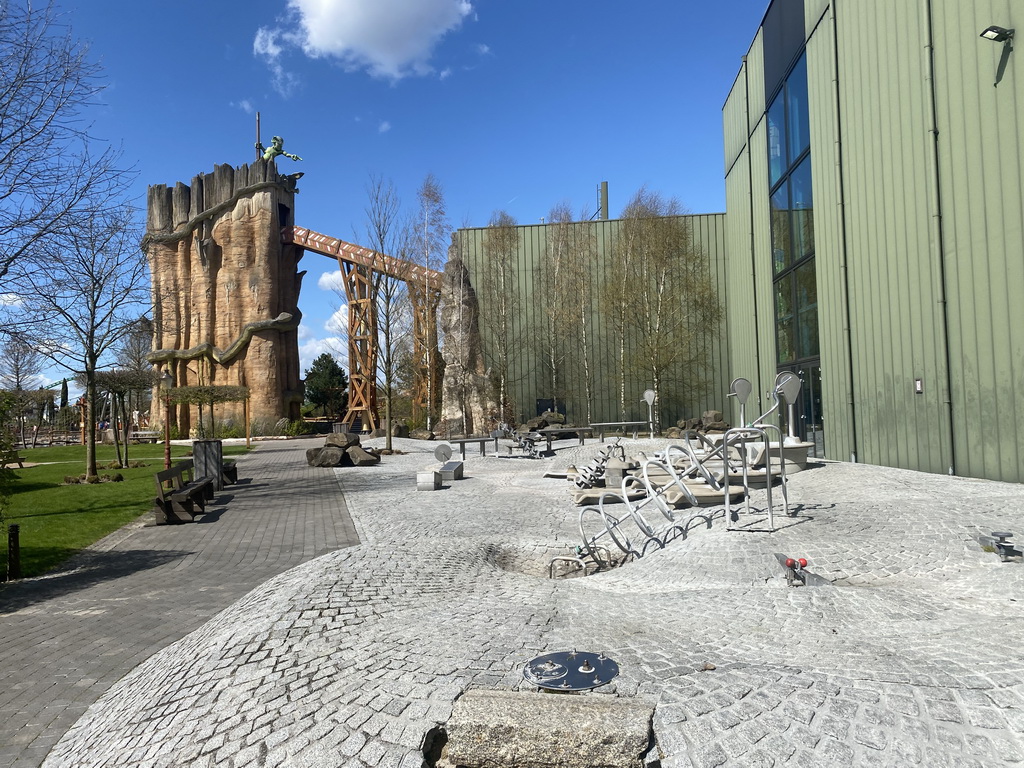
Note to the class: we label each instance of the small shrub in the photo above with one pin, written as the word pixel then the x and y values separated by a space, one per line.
pixel 230 430
pixel 92 479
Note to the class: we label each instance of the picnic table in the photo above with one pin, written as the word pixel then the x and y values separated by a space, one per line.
pixel 556 433
pixel 626 426
pixel 482 441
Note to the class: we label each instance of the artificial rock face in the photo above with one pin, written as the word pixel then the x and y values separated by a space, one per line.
pixel 467 404
pixel 225 288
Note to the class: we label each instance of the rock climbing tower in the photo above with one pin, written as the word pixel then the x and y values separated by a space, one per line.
pixel 225 288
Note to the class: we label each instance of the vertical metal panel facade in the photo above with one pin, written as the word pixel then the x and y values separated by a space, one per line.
pixel 528 385
pixel 894 275
pixel 830 255
pixel 734 120
pixel 981 168
pixel 919 240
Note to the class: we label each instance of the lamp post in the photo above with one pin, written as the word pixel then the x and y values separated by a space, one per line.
pixel 648 398
pixel 166 381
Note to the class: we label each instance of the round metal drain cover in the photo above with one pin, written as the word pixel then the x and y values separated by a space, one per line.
pixel 570 670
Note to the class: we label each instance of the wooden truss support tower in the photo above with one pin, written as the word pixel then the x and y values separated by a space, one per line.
pixel 358 266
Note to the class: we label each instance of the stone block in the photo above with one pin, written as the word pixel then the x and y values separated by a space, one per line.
pixel 531 730
pixel 328 456
pixel 428 480
pixel 360 457
pixel 451 470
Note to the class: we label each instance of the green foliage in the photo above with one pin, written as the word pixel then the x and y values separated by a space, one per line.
pixel 295 428
pixel 326 385
pixel 230 429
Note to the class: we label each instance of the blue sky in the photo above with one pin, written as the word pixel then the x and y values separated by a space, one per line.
pixel 513 106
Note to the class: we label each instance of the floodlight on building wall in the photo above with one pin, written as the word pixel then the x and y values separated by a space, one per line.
pixel 997 34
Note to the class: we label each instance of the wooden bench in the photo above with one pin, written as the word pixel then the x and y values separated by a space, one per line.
pixel 13 457
pixel 625 426
pixel 144 436
pixel 482 441
pixel 180 497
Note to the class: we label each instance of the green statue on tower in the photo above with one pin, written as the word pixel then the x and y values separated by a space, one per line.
pixel 276 148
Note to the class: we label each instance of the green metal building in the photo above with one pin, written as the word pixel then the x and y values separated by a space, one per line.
pixel 874 227
pixel 529 377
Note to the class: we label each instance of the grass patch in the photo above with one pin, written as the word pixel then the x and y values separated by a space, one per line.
pixel 56 521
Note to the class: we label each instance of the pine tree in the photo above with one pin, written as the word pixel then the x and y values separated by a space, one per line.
pixel 327 385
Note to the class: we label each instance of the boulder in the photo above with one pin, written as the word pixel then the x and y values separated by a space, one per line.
pixel 329 456
pixel 361 457
pixel 421 434
pixel 311 455
pixel 553 418
pixel 342 440
pixel 400 430
pixel 673 433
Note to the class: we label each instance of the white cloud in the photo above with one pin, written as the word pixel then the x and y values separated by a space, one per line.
pixel 483 49
pixel 338 322
pixel 384 126
pixel 266 46
pixel 245 105
pixel 331 281
pixel 387 38
pixel 311 349
pixel 10 300
pixel 445 73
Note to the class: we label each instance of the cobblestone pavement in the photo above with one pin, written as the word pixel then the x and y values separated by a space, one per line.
pixel 68 636
pixel 910 655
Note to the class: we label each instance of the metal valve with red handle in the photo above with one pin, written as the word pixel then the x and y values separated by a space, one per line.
pixel 794 571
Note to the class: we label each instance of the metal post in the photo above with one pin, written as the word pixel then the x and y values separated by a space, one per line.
pixel 649 396
pixel 13 552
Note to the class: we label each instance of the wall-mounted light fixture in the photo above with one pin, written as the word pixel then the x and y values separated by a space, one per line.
pixel 997 34
pixel 1004 36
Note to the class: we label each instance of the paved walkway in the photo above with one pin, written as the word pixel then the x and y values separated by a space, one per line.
pixel 911 655
pixel 67 637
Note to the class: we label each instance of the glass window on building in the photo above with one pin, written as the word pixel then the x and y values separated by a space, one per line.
pixel 792 221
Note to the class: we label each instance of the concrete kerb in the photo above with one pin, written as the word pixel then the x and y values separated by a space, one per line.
pixel 356 656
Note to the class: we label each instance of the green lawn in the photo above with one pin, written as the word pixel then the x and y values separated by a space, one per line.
pixel 58 520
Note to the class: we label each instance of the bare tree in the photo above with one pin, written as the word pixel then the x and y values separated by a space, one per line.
pixel 49 173
pixel 434 233
pixel 671 294
pixel 581 256
pixel 20 365
pixel 617 306
pixel 498 284
pixel 552 286
pixel 86 299
pixel 386 237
